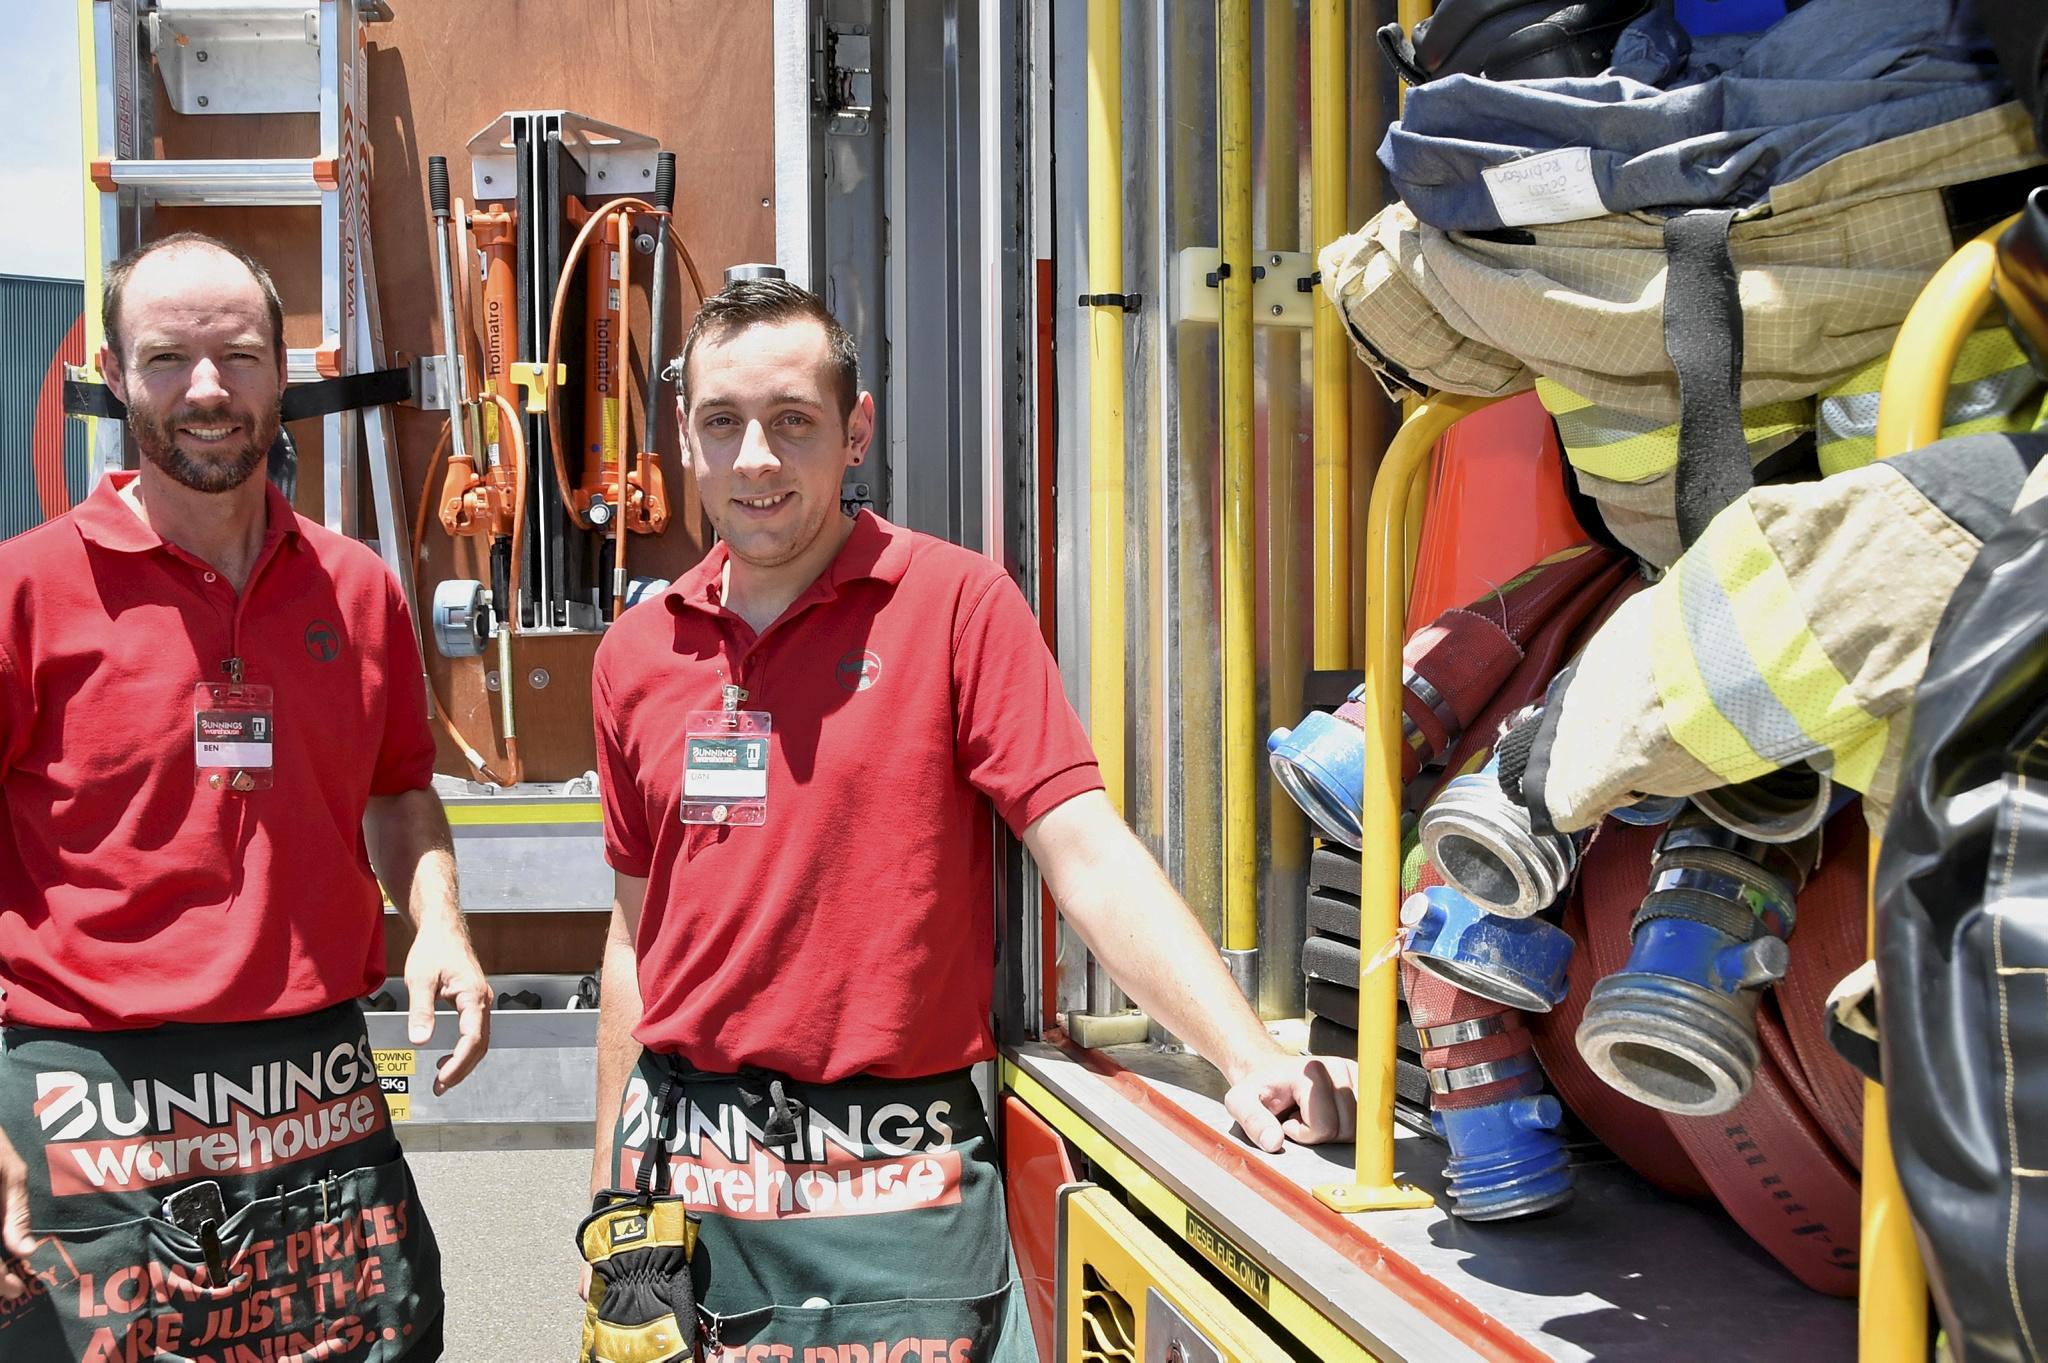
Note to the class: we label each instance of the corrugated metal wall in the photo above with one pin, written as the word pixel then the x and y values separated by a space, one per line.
pixel 42 455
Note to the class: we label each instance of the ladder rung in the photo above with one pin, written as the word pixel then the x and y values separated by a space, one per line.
pixel 290 180
pixel 309 366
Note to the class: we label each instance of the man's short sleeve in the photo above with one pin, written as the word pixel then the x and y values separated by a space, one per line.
pixel 1017 739
pixel 405 759
pixel 628 846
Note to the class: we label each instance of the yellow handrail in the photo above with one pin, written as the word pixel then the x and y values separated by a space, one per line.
pixel 1329 118
pixel 1405 463
pixel 1891 1302
pixel 1106 396
pixel 1241 745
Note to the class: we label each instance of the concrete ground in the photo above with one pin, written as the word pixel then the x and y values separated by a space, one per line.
pixel 506 1220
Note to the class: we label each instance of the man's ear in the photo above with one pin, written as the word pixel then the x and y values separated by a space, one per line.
pixel 111 375
pixel 860 426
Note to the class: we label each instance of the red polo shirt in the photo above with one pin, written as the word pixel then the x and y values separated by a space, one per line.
pixel 853 932
pixel 130 894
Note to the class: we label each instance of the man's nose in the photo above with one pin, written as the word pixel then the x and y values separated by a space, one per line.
pixel 205 385
pixel 756 457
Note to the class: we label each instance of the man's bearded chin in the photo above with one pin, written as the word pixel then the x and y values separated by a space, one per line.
pixel 222 470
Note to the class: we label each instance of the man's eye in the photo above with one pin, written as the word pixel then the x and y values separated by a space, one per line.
pixel 794 419
pixel 719 422
pixel 162 358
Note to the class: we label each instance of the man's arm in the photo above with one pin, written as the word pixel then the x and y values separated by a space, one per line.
pixel 618 1013
pixel 413 854
pixel 1113 892
pixel 15 1240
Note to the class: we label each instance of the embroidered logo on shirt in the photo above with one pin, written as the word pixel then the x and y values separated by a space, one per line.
pixel 859 671
pixel 323 642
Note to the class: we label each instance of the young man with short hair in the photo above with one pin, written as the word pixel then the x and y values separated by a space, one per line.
pixel 800 744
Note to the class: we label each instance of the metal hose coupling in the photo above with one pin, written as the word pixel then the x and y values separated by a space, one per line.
pixel 1320 763
pixel 1517 961
pixel 1779 806
pixel 1479 839
pixel 1676 1027
pixel 1486 1100
pixel 1507 1159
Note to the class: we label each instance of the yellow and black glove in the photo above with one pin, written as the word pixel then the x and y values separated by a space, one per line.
pixel 642 1306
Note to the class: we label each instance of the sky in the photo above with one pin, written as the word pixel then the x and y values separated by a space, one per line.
pixel 42 162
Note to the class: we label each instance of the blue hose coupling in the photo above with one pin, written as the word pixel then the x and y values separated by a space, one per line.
pixel 1507 1159
pixel 1320 763
pixel 1675 1028
pixel 1517 961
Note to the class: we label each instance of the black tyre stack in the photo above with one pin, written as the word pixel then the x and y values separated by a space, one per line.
pixel 1330 960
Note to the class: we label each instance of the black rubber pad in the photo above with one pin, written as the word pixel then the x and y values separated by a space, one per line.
pixel 1411 1086
pixel 1333 913
pixel 1334 867
pixel 1332 959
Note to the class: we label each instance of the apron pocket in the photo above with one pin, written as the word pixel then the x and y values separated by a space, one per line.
pixel 347 1265
pixel 992 1328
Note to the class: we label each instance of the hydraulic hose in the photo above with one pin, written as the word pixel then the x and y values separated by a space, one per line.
pixel 442 712
pixel 570 262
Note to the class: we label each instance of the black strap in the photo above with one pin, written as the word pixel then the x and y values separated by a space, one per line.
pixel 652 1180
pixel 377 388
pixel 1703 338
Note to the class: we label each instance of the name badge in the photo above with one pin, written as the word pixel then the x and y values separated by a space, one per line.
pixel 725 767
pixel 234 728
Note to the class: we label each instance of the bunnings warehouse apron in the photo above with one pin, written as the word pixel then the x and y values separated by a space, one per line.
pixel 324 1253
pixel 856 1222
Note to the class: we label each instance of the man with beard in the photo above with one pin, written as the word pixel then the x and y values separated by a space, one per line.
pixel 801 745
pixel 213 744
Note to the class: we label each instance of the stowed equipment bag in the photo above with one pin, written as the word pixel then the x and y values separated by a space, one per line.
pixel 642 1306
pixel 1962 950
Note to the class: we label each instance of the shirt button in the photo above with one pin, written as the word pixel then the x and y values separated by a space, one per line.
pixel 212 577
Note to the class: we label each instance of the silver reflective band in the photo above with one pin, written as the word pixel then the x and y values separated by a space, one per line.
pixel 1476 1076
pixel 1457 1033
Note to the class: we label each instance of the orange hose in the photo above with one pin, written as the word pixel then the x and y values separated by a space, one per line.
pixel 570 262
pixel 471 753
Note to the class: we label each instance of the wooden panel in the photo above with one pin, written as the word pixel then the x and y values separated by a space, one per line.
pixel 694 74
pixel 567 943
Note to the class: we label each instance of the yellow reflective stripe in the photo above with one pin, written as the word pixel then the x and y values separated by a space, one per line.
pixel 1772 629
pixel 1624 448
pixel 1689 710
pixel 1839 456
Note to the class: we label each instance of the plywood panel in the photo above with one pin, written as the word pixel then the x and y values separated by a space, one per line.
pixel 694 74
pixel 554 943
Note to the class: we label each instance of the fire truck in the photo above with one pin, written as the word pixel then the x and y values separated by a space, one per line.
pixel 1076 244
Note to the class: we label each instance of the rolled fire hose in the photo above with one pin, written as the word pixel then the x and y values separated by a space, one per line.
pixel 1768 1161
pixel 1451 669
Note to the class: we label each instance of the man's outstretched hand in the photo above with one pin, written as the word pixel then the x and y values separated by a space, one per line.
pixel 1307 1099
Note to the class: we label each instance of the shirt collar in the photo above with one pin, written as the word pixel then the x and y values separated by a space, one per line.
pixel 104 519
pixel 874 549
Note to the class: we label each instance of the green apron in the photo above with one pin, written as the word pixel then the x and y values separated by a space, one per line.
pixel 856 1222
pixel 323 1253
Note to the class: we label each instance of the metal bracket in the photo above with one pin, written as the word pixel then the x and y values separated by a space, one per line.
pixel 1170 1337
pixel 615 160
pixel 1279 298
pixel 533 379
pixel 845 78
pixel 239 59
pixel 434 386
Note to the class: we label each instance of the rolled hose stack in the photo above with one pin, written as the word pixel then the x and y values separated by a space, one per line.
pixel 1452 669
pixel 1774 1160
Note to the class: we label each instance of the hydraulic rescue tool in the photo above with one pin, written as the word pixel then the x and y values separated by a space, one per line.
pixel 472 503
pixel 621 492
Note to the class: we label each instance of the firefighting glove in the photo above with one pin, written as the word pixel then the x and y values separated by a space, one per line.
pixel 642 1306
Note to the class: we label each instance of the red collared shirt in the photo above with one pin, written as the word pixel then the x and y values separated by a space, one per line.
pixel 853 933
pixel 130 894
